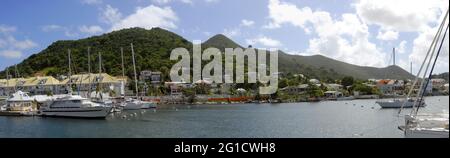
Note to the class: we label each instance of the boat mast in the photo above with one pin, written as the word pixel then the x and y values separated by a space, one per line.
pixel 89 60
pixel 123 67
pixel 70 73
pixel 393 54
pixel 411 68
pixel 89 72
pixel 416 110
pixel 99 72
pixel 135 75
pixel 7 80
pixel 431 51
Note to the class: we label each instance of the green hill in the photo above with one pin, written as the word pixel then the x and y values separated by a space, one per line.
pixel 153 49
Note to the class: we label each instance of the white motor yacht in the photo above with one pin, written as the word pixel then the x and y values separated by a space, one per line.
pixel 76 107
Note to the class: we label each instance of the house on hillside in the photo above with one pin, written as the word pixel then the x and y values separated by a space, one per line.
pixel 391 87
pixel 154 77
pixel 295 90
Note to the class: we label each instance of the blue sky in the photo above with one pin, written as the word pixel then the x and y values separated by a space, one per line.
pixel 360 32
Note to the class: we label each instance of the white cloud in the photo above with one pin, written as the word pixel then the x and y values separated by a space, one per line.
pixel 7 29
pixel 11 53
pixel 110 15
pixel 10 47
pixel 92 2
pixel 421 46
pixel 168 1
pixel 387 35
pixel 50 28
pixel 94 29
pixel 212 1
pixel 400 15
pixel 68 31
pixel 345 39
pixel 206 33
pixel 149 17
pixel 26 44
pixel 265 41
pixel 247 23
pixel 402 47
pixel 232 32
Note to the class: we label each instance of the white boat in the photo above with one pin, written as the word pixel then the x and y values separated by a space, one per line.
pixel 75 107
pixel 133 104
pixel 427 126
pixel 409 103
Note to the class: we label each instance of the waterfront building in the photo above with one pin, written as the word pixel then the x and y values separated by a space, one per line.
pixel 295 90
pixel 84 83
pixel 438 84
pixel 334 87
pixel 391 87
pixel 333 94
pixel 176 88
pixel 150 76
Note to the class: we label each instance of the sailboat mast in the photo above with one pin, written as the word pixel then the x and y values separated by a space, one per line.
pixel 393 53
pixel 411 68
pixel 99 71
pixel 135 75
pixel 17 71
pixel 70 72
pixel 89 60
pixel 89 72
pixel 416 110
pixel 7 79
pixel 123 67
pixel 429 54
pixel 100 62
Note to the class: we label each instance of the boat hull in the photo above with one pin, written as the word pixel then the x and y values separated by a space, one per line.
pixel 138 105
pixel 398 104
pixel 425 134
pixel 93 112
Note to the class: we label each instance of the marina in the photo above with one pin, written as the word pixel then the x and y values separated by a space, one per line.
pixel 327 119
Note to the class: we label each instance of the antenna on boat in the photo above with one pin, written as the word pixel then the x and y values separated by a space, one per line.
pixel 135 75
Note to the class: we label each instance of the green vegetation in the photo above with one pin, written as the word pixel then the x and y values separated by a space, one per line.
pixel 153 48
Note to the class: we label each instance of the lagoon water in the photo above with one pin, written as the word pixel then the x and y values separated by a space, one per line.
pixel 332 119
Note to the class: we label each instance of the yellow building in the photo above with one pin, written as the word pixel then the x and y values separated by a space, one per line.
pixel 33 85
pixel 82 83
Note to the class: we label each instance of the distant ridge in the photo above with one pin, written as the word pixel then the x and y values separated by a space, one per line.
pixel 153 48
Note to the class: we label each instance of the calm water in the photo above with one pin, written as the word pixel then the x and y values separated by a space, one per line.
pixel 341 119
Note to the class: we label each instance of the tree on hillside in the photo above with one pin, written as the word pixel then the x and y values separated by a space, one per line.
pixel 347 81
